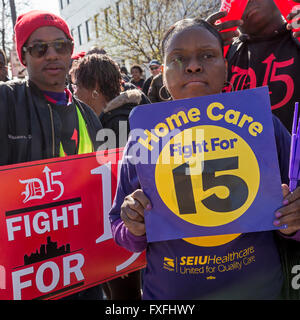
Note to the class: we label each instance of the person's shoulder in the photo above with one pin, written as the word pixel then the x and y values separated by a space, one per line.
pixel 12 85
pixel 157 79
pixel 282 135
pixel 126 100
pixel 295 41
pixel 278 126
pixel 235 46
pixel 158 76
pixel 149 78
pixel 128 86
pixel 86 108
pixel 14 93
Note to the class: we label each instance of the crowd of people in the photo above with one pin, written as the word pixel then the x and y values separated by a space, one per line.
pixel 88 92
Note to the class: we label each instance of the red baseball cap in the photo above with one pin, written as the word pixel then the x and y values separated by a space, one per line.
pixel 77 56
pixel 28 22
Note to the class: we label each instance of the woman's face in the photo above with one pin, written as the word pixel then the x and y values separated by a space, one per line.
pixel 194 64
pixel 83 94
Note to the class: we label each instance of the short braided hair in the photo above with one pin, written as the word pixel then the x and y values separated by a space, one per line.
pixel 99 69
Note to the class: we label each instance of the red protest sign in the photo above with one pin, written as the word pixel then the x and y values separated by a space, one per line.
pixel 55 234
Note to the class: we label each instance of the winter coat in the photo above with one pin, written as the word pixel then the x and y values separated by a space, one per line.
pixel 116 114
pixel 30 128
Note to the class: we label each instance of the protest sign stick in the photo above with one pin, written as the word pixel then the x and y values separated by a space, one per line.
pixel 294 152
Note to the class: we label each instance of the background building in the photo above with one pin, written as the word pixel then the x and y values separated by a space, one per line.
pixel 83 18
pixel 130 31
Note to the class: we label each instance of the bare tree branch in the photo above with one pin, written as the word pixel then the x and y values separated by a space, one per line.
pixel 135 28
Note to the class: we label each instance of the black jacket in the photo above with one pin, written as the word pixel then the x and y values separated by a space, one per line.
pixel 118 110
pixel 146 85
pixel 29 127
pixel 272 61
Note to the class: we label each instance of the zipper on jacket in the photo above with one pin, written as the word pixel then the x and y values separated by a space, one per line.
pixel 52 130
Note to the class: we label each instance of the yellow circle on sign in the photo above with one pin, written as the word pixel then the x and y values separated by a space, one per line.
pixel 212 241
pixel 207 175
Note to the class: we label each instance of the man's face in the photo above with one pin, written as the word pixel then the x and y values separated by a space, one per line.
pixel 3 68
pixel 155 69
pixel 49 71
pixel 257 15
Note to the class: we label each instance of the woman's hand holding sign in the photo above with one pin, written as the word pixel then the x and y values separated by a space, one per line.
pixel 132 212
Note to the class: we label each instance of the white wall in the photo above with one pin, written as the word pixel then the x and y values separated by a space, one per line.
pixel 76 13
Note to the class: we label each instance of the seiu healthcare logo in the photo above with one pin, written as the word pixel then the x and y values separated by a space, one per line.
pixel 210 266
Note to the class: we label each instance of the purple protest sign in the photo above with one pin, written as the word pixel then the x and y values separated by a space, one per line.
pixel 207 172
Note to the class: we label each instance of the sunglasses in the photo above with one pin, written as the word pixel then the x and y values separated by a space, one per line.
pixel 39 49
pixel 154 68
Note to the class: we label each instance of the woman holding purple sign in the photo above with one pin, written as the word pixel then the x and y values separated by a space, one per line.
pixel 238 266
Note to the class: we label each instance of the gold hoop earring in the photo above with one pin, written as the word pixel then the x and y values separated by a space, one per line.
pixel 166 92
pixel 95 94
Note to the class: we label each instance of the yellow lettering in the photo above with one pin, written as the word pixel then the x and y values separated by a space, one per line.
pixel 146 142
pixel 245 118
pixel 255 128
pixel 182 261
pixel 161 129
pixel 202 260
pixel 194 114
pixel 210 108
pixel 232 116
pixel 175 117
pixel 190 261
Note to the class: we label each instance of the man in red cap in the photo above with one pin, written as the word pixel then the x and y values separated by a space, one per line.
pixel 39 117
